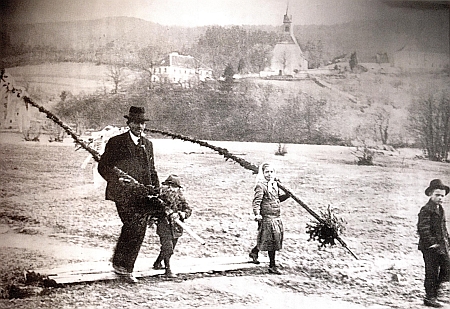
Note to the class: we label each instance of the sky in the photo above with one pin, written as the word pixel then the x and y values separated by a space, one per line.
pixel 194 13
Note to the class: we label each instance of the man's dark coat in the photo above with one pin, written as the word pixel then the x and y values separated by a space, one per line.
pixel 138 162
pixel 121 152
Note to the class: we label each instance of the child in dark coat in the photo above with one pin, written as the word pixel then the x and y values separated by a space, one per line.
pixel 434 242
pixel 175 207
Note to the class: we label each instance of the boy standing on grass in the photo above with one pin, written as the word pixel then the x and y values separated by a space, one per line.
pixel 434 242
pixel 175 207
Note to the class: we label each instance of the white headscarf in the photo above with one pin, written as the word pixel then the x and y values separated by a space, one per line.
pixel 271 184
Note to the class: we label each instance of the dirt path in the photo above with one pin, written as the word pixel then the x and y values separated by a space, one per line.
pixel 50 246
pixel 268 296
pixel 52 214
pixel 258 291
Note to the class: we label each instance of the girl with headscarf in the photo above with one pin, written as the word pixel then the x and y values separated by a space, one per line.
pixel 266 208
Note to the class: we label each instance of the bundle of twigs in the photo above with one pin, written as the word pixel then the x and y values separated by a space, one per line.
pixel 327 230
pixel 170 199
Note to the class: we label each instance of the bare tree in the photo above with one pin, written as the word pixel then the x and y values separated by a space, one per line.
pixel 268 119
pixel 303 119
pixel 430 121
pixel 148 57
pixel 260 55
pixel 382 118
pixel 115 73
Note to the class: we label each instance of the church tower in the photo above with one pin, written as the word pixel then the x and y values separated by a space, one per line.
pixel 288 28
pixel 287 56
pixel 287 22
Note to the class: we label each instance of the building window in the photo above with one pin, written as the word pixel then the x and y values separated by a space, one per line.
pixel 165 70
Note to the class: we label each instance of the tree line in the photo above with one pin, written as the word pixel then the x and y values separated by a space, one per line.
pixel 245 111
pixel 247 50
pixel 237 112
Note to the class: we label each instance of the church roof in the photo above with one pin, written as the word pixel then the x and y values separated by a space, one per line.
pixel 288 48
pixel 286 38
pixel 287 18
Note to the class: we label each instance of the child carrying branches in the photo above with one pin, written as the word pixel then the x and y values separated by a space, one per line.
pixel 266 208
pixel 175 207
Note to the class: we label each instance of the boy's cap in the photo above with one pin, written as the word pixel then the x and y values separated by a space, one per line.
pixel 173 180
pixel 436 184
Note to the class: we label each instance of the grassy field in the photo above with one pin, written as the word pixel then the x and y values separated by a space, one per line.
pixel 49 203
pixel 50 79
pixel 45 192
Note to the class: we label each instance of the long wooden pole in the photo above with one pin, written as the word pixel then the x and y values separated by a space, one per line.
pixel 121 173
pixel 254 169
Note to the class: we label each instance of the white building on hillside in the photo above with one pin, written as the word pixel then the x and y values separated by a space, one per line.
pixel 415 56
pixel 287 56
pixel 180 69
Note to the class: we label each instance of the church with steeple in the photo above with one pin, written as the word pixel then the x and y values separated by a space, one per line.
pixel 287 56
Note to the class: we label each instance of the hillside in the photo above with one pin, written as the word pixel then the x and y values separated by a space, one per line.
pixel 95 34
pixel 366 38
pixel 375 94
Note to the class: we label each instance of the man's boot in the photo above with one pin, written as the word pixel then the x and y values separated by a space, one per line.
pixel 157 264
pixel 168 273
pixel 432 302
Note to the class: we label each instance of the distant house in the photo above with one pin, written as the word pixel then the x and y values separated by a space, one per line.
pixel 180 69
pixel 412 57
pixel 287 56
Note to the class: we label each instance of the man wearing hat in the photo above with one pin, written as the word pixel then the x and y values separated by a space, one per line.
pixel 434 241
pixel 175 207
pixel 132 153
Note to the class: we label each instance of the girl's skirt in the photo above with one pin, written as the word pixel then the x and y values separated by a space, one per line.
pixel 270 234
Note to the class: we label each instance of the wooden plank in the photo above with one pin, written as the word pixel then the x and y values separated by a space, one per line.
pixel 102 270
pixel 97 266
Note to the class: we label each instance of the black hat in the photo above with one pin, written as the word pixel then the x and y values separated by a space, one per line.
pixel 436 184
pixel 173 180
pixel 136 114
